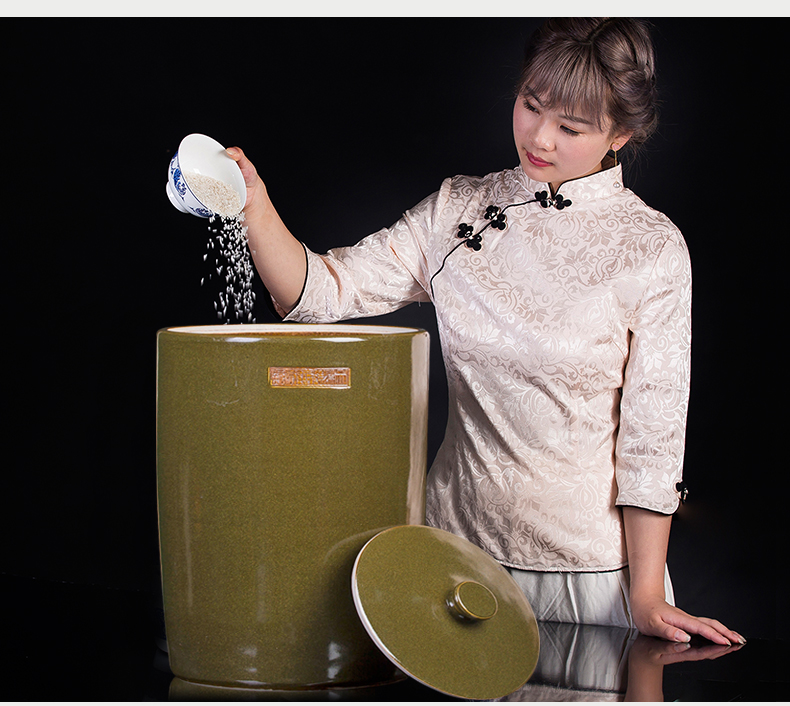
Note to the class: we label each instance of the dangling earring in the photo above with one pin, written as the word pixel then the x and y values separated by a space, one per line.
pixel 614 149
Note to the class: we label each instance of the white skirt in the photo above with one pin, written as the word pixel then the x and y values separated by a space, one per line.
pixel 588 598
pixel 579 663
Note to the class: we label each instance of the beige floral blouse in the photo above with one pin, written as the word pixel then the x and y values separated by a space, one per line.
pixel 566 341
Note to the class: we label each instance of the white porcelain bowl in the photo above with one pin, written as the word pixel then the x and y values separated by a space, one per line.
pixel 200 154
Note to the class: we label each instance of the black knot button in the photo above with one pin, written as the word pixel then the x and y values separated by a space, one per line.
pixel 557 201
pixel 475 242
pixel 464 230
pixel 560 203
pixel 683 491
pixel 497 217
pixel 491 212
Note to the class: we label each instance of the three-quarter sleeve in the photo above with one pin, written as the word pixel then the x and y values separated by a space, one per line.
pixel 566 340
pixel 654 404
pixel 383 272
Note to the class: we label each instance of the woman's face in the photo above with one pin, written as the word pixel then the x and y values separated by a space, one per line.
pixel 555 146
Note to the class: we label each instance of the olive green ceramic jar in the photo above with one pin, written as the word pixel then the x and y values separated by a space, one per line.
pixel 282 449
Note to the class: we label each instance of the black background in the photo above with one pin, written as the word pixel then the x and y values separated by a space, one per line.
pixel 350 122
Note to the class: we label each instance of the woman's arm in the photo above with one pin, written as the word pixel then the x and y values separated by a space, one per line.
pixel 651 441
pixel 647 539
pixel 278 256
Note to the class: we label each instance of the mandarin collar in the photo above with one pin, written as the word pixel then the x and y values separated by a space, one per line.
pixel 601 184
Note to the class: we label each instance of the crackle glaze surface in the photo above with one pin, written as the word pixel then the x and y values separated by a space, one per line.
pixel 267 492
pixel 407 581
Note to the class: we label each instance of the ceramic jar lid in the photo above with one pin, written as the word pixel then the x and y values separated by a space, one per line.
pixel 445 612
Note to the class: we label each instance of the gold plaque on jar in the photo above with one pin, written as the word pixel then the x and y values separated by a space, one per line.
pixel 333 378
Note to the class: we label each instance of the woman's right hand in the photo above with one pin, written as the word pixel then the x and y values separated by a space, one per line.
pixel 279 258
pixel 256 190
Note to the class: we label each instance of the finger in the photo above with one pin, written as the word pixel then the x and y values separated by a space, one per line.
pixel 235 153
pixel 670 652
pixel 695 654
pixel 724 630
pixel 666 628
pixel 671 632
pixel 700 626
pixel 248 170
pixel 238 156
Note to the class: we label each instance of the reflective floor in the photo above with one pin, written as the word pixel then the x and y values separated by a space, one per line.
pixel 67 642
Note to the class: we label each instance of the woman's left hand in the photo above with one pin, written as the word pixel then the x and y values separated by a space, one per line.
pixel 654 616
pixel 646 538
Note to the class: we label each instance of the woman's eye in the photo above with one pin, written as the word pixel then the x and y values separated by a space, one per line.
pixel 568 131
pixel 529 106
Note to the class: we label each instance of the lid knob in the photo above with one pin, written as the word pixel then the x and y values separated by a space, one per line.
pixel 472 601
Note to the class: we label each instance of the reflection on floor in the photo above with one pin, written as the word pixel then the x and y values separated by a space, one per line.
pixel 68 642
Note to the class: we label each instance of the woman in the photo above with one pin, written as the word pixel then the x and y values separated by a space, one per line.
pixel 565 331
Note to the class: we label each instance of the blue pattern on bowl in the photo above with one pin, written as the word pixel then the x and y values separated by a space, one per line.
pixel 186 195
pixel 178 189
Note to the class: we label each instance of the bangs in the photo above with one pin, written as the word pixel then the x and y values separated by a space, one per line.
pixel 567 77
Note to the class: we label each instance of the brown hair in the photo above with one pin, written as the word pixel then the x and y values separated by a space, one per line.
pixel 601 68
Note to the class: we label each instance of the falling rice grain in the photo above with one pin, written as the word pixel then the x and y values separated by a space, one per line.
pixel 233 256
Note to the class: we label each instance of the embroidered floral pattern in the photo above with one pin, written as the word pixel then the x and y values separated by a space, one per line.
pixel 566 341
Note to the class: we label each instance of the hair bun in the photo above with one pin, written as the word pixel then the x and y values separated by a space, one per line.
pixel 602 66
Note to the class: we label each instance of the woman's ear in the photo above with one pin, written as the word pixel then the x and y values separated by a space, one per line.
pixel 619 141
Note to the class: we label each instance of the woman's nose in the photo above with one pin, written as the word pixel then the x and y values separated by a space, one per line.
pixel 541 136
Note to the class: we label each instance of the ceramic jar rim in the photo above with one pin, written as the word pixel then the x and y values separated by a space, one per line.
pixel 291 329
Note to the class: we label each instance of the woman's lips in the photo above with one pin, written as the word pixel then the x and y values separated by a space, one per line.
pixel 537 161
